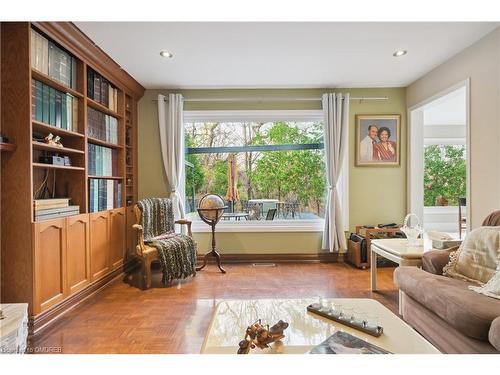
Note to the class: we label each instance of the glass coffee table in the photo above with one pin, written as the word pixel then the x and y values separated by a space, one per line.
pixel 306 330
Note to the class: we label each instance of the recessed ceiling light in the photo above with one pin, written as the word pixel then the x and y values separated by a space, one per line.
pixel 399 53
pixel 166 54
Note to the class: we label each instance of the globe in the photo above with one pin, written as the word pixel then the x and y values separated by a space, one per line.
pixel 211 207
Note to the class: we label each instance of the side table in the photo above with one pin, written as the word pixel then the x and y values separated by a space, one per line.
pixel 394 249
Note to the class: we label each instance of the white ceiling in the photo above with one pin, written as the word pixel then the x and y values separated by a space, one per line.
pixel 280 54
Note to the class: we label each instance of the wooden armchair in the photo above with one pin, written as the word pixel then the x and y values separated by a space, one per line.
pixel 148 254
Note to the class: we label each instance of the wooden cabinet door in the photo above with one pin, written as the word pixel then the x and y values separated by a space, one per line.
pixel 117 238
pixel 99 244
pixel 50 263
pixel 77 252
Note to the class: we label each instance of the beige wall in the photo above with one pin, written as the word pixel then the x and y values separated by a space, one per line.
pixel 480 62
pixel 375 194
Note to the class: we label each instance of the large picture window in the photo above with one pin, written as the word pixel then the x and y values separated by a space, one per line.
pixel 276 167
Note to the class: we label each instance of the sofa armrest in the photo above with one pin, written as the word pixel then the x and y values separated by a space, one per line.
pixel 494 334
pixel 434 261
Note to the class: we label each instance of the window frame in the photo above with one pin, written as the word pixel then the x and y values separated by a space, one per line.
pixel 269 116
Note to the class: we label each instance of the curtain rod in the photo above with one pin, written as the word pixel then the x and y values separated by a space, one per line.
pixel 271 99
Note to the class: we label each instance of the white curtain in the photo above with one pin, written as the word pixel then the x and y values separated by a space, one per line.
pixel 171 125
pixel 336 127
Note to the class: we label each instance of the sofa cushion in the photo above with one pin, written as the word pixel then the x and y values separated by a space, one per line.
pixel 491 288
pixel 450 299
pixel 476 259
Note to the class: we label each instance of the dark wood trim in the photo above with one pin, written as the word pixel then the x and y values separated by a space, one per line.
pixel 80 45
pixel 278 258
pixel 45 319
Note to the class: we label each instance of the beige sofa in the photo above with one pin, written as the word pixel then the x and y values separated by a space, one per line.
pixel 448 314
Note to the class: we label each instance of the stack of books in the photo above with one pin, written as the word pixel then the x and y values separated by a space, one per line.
pixel 102 126
pixel 50 59
pixel 103 161
pixel 54 208
pixel 101 90
pixel 104 194
pixel 54 107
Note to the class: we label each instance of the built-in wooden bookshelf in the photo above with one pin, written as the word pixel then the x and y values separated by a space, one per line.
pixel 63 259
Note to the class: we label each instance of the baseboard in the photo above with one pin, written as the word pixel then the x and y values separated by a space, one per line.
pixel 45 319
pixel 278 258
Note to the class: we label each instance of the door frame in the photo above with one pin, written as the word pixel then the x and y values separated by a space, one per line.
pixel 409 205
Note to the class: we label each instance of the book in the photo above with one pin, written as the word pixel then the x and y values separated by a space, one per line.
pixel 52 106
pixel 69 112
pixel 97 87
pixel 74 117
pixel 57 215
pixel 73 72
pixel 38 101
pixel 50 203
pixel 102 126
pixel 45 103
pixel 104 194
pixel 58 108
pixel 64 113
pixel 49 211
pixel 90 83
pixel 344 343
pixel 105 92
pixel 53 62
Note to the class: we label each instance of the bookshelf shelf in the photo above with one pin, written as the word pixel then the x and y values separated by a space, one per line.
pixel 53 166
pixel 44 146
pixel 103 143
pixel 46 128
pixel 98 106
pixel 7 147
pixel 106 177
pixel 35 74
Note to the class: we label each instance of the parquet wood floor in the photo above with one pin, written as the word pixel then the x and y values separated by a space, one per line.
pixel 124 319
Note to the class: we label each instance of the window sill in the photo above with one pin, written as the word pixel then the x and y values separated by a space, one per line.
pixel 262 226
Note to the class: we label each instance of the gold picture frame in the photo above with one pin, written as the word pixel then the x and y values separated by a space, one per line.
pixel 378 141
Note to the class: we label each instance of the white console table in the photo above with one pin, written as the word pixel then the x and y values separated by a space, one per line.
pixel 14 328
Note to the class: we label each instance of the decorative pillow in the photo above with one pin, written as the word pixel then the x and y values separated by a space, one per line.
pixel 477 258
pixel 491 288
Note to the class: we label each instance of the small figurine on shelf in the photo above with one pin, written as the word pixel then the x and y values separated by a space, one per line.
pixel 53 141
pixel 261 336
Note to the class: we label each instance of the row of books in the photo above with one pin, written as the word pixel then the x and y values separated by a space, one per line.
pixel 103 161
pixel 102 126
pixel 101 90
pixel 54 107
pixel 49 59
pixel 104 194
pixel 46 209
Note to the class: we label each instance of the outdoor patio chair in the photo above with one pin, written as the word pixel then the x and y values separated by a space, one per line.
pixel 271 213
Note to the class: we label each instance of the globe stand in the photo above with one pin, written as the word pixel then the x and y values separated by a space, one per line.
pixel 211 216
pixel 212 252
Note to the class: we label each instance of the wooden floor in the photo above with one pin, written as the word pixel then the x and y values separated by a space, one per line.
pixel 124 319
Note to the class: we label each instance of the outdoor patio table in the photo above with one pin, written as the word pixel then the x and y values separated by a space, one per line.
pixel 265 204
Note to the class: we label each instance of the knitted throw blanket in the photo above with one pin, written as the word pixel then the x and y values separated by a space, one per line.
pixel 177 252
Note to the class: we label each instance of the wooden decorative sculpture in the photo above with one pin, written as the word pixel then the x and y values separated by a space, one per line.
pixel 53 141
pixel 261 336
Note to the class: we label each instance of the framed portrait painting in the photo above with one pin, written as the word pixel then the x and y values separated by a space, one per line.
pixel 378 140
